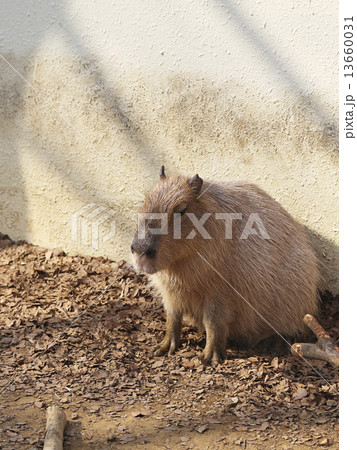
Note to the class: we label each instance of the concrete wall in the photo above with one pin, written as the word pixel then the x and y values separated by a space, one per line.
pixel 112 90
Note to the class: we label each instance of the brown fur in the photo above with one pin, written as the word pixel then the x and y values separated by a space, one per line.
pixel 278 277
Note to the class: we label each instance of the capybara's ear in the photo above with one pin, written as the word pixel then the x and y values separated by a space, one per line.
pixel 195 184
pixel 162 172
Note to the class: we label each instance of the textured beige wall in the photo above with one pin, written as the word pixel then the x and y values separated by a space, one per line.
pixel 229 89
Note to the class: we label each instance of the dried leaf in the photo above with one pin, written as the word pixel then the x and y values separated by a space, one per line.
pixel 201 429
pixel 300 393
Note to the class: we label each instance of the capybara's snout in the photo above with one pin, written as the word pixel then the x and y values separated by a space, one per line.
pixel 146 248
pixel 144 251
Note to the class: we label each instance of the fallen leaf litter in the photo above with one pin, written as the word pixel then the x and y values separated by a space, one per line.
pixel 101 365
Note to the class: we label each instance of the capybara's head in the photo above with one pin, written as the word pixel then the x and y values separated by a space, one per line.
pixel 162 224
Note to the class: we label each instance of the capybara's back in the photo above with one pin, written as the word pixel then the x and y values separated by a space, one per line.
pixel 240 267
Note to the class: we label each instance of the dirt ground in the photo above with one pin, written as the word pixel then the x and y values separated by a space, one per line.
pixel 79 332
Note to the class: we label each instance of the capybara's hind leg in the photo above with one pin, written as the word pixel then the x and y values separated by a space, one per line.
pixel 172 336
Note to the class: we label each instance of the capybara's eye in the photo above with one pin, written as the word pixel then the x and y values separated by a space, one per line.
pixel 183 211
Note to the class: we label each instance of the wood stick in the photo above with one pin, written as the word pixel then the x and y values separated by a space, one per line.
pixel 56 421
pixel 324 349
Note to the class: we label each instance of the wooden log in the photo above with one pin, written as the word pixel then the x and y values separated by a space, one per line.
pixel 324 349
pixel 56 421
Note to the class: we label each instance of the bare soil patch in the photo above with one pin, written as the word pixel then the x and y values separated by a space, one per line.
pixel 79 331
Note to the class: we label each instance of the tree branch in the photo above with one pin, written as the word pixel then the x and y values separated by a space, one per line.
pixel 56 421
pixel 324 349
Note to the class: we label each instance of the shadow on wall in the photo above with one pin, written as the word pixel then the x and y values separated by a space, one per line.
pixel 13 201
pixel 267 53
pixel 144 145
pixel 13 98
pixel 328 254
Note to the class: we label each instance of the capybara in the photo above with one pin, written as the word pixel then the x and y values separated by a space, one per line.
pixel 231 261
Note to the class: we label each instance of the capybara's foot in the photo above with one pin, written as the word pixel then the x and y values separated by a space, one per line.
pixel 213 356
pixel 167 346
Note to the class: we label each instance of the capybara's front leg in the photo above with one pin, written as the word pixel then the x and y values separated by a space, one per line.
pixel 215 349
pixel 172 336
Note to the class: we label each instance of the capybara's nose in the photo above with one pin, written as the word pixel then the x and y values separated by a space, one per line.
pixel 150 252
pixel 135 247
pixel 143 249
